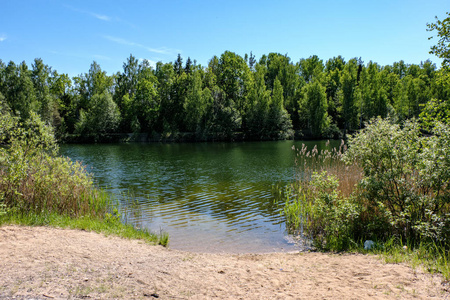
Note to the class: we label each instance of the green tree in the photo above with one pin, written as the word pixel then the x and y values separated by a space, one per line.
pixel 259 102
pixel 348 95
pixel 171 105
pixel 66 100
pixel 400 68
pixel 101 118
pixel 315 101
pixel 188 67
pixel 442 48
pixel 195 104
pixel 125 89
pixel 48 105
pixel 406 179
pixel 333 70
pixel 281 67
pixel 435 111
pixel 221 119
pixel 311 68
pixel 233 77
pixel 280 124
pixel 373 96
pixel 94 82
pixel 145 104
pixel 178 65
pixel 18 90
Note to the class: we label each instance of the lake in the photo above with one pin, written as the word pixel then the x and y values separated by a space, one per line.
pixel 209 197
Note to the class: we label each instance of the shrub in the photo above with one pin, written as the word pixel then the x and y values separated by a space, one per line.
pixel 406 178
pixel 395 185
pixel 33 179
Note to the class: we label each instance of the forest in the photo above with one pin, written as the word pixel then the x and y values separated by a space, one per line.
pixel 270 98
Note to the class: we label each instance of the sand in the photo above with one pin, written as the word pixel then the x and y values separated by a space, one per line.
pixel 49 263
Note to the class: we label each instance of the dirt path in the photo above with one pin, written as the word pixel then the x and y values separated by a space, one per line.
pixel 48 263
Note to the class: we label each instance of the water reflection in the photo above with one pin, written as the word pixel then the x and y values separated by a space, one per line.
pixel 207 196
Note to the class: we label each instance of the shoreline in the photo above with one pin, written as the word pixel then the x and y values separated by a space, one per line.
pixel 50 263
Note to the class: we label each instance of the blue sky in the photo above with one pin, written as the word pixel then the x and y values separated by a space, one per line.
pixel 69 35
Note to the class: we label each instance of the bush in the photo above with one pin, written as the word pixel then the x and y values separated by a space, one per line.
pixel 406 178
pixel 33 179
pixel 395 185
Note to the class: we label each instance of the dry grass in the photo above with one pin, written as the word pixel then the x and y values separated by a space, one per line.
pixel 312 161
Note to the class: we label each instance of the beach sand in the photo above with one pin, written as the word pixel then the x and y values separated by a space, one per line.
pixel 50 263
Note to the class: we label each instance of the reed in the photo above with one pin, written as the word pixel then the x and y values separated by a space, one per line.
pixel 329 160
pixel 318 194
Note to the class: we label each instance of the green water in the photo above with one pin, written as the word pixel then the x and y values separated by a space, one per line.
pixel 209 197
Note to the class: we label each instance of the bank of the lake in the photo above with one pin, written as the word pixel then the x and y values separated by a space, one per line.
pixel 49 263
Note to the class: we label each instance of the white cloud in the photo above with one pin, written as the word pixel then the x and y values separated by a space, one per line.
pixel 100 17
pixel 2 37
pixel 92 14
pixel 162 50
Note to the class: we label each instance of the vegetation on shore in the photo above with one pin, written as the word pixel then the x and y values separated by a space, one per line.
pixel 38 187
pixel 391 186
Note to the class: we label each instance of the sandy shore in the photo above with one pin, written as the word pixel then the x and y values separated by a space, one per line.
pixel 48 263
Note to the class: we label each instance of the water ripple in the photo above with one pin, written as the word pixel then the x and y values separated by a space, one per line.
pixel 217 196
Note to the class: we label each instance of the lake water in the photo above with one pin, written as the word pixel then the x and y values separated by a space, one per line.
pixel 209 197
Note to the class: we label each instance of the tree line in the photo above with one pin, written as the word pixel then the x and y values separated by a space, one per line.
pixel 269 98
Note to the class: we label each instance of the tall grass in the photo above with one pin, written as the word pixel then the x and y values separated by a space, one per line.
pixel 55 191
pixel 301 196
pixel 47 184
pixel 310 161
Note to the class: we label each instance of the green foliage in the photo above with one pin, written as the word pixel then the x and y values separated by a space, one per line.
pixel 270 99
pixel 396 184
pixel 259 103
pixel 331 217
pixel 280 125
pixel 311 68
pixel 442 49
pixel 101 117
pixel 33 179
pixel 319 205
pixel 145 104
pixel 435 111
pixel 233 76
pixel 222 120
pixel 348 95
pixel 315 101
pixel 406 177
pixel 373 95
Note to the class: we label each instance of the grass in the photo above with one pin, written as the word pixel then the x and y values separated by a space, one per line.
pixel 107 226
pixel 432 257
